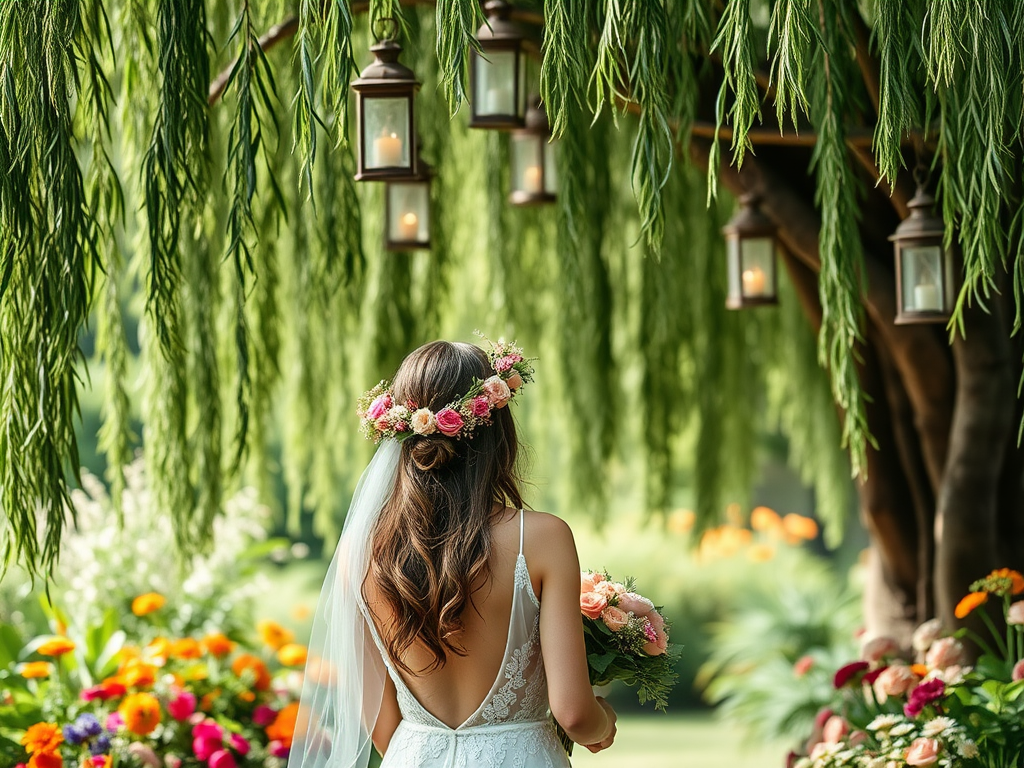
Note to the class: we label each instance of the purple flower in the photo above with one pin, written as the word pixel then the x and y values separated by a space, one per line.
pixel 101 745
pixel 88 725
pixel 72 734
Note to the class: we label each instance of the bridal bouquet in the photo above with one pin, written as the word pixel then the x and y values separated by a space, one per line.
pixel 627 640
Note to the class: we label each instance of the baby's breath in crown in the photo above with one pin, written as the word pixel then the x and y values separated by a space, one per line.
pixel 382 417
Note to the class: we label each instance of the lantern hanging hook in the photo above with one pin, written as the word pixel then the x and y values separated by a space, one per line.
pixel 384 28
pixel 922 170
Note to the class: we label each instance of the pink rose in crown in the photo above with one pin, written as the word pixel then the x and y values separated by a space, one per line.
pixel 449 421
pixel 479 406
pixel 380 405
pixel 636 604
pixel 923 752
pixel 505 364
pixel 589 581
pixel 615 619
pixel 497 391
pixel 592 605
pixel 515 381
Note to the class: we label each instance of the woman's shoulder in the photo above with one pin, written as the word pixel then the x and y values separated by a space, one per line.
pixel 546 533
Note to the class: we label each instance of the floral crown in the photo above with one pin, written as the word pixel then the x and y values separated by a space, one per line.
pixel 382 417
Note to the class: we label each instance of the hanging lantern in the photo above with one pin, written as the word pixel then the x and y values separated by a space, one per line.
pixel 750 243
pixel 497 72
pixel 385 116
pixel 925 289
pixel 407 212
pixel 533 160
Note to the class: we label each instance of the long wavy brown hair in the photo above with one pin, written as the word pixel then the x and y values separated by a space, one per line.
pixel 431 544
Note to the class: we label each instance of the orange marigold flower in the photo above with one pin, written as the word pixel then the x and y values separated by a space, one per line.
pixel 1016 579
pixel 136 673
pixel 283 727
pixel 764 519
pixel 218 645
pixel 141 713
pixel 799 526
pixel 274 634
pixel 254 665
pixel 147 603
pixel 292 655
pixel 921 670
pixel 34 669
pixel 46 760
pixel 186 648
pixel 969 603
pixel 58 646
pixel 248 696
pixel 157 651
pixel 42 737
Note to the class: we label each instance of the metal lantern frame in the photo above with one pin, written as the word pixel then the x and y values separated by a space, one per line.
pixel 424 177
pixel 537 131
pixel 922 229
pixel 750 223
pixel 499 35
pixel 385 78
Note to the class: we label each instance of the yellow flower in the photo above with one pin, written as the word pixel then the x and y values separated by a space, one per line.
pixel 186 648
pixel 141 713
pixel 292 655
pixel 218 645
pixel 34 669
pixel 147 603
pixel 301 612
pixel 42 737
pixel 157 651
pixel 136 673
pixel 58 646
pixel 274 634
pixel 765 519
pixel 969 603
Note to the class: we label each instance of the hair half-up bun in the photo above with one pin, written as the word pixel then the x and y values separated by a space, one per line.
pixel 429 453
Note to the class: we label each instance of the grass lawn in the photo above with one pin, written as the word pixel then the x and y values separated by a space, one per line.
pixel 681 741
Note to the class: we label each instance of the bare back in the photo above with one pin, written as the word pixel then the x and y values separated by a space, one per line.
pixel 455 691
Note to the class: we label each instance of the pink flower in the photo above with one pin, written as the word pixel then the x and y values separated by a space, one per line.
pixel 803 665
pixel 103 691
pixel 172 761
pixel 636 604
pixel 848 672
pixel 877 649
pixel 894 681
pixel 926 634
pixel 1016 613
pixel 97 761
pixel 497 391
pixel 207 729
pixel 923 752
pixel 592 605
pixel 515 381
pixel 655 619
pixel 277 749
pixel 659 645
pixel 650 632
pixel 182 704
pixel 144 754
pixel 614 618
pixel 449 421
pixel 945 652
pixel 203 747
pixel 589 581
pixel 402 426
pixel 1018 671
pixel 835 729
pixel 380 405
pixel 222 759
pixel 504 364
pixel 239 744
pixel 607 589
pixel 114 721
pixel 263 715
pixel 479 406
pixel 382 424
pixel 923 695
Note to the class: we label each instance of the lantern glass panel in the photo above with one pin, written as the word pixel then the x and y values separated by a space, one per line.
pixel 550 174
pixel 923 279
pixel 386 131
pixel 409 212
pixel 733 262
pixel 757 275
pixel 528 164
pixel 495 85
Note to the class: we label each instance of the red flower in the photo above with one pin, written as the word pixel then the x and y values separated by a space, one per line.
pixel 847 673
pixel 870 677
pixel 923 695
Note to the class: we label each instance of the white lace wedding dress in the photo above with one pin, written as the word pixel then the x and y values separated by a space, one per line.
pixel 511 727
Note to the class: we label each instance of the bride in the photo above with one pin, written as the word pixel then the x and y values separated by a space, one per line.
pixel 449 622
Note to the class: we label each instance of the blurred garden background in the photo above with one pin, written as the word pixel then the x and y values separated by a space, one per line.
pixel 795 435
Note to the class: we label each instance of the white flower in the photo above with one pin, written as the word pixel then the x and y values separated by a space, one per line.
pixel 902 729
pixel 423 422
pixel 968 749
pixel 937 726
pixel 883 722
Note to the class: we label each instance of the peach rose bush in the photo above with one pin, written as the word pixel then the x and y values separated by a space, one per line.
pixel 933 704
pixel 101 697
pixel 627 639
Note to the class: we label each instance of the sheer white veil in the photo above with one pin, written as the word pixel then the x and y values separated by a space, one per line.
pixel 345 674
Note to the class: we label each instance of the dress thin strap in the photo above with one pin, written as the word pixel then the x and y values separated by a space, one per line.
pixel 520 531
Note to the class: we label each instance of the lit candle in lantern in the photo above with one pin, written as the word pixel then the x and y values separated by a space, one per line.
pixel 926 297
pixel 387 151
pixel 533 180
pixel 753 282
pixel 409 227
